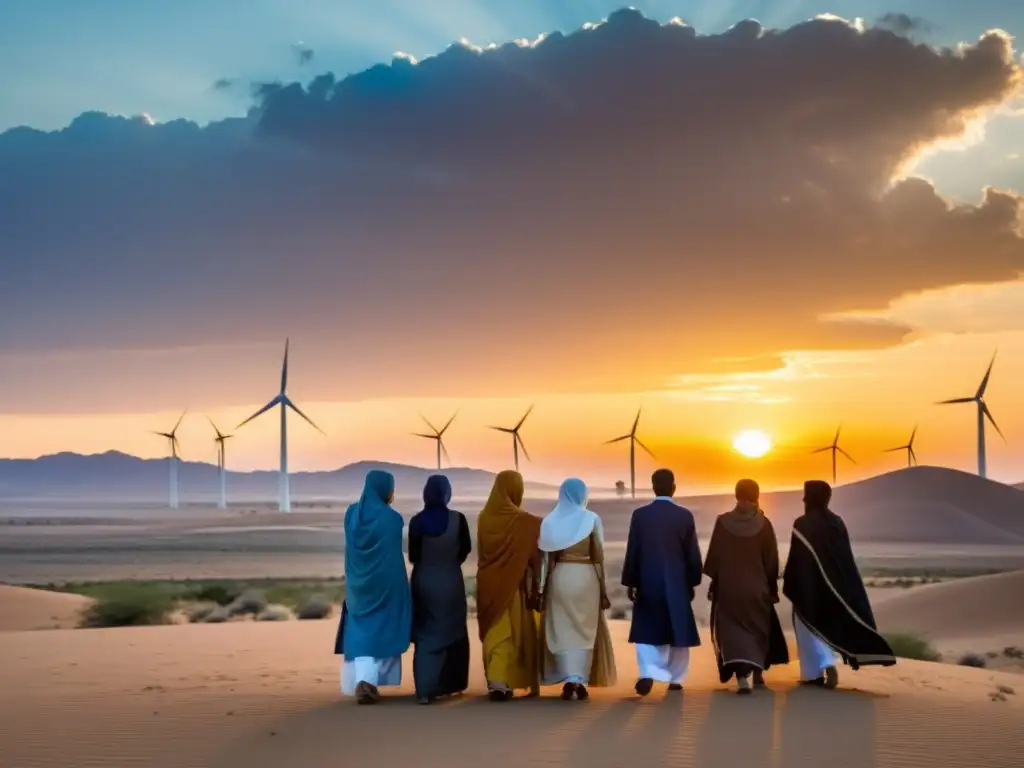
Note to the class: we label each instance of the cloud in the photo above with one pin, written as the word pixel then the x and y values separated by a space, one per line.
pixel 303 53
pixel 904 24
pixel 599 210
pixel 224 84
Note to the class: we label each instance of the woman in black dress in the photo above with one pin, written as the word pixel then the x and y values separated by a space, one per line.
pixel 439 543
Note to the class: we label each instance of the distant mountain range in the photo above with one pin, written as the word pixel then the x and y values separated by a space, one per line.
pixel 119 476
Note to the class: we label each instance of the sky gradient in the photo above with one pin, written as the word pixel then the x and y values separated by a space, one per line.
pixel 734 226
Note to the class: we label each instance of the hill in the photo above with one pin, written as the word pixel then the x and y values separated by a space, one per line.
pixel 119 476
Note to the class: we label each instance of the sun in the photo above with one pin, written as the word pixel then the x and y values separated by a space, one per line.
pixel 752 443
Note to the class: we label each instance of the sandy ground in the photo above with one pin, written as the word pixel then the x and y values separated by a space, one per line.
pixel 252 695
pixel 32 609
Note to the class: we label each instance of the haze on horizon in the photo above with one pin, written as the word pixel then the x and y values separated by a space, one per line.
pixel 736 227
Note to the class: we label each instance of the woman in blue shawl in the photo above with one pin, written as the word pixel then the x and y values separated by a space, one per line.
pixel 376 616
pixel 439 543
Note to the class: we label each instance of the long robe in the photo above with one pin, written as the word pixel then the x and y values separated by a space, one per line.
pixel 822 581
pixel 376 618
pixel 438 545
pixel 743 565
pixel 506 556
pixel 663 564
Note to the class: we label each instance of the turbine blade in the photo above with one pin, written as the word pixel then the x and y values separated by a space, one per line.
pixel 528 412
pixel 180 418
pixel 846 454
pixel 835 440
pixel 913 455
pixel 432 427
pixel 506 430
pixel 522 446
pixel 444 451
pixel 420 434
pixel 448 424
pixel 296 408
pixel 890 450
pixel 636 421
pixel 912 436
pixel 219 435
pixel 822 450
pixel 284 368
pixel 162 434
pixel 956 400
pixel 984 381
pixel 988 413
pixel 617 439
pixel 649 452
pixel 261 411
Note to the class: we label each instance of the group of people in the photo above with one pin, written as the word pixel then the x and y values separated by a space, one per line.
pixel 541 593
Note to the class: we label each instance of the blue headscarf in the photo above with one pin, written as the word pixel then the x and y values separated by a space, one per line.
pixel 433 520
pixel 378 615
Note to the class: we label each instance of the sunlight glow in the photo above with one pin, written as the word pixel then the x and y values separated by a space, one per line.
pixel 752 443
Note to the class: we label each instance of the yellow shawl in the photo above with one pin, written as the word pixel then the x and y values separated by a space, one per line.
pixel 506 541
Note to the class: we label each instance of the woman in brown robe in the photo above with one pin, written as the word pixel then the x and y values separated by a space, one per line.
pixel 508 590
pixel 743 565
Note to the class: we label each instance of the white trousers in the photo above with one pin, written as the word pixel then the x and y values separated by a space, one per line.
pixel 367 669
pixel 814 655
pixel 663 663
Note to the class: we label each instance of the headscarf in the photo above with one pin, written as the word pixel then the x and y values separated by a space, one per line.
pixel 433 520
pixel 374 562
pixel 746 518
pixel 570 522
pixel 817 495
pixel 506 540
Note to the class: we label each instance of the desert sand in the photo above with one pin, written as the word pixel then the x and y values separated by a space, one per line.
pixel 251 695
pixel 24 609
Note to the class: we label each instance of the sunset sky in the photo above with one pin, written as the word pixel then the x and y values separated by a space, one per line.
pixel 782 226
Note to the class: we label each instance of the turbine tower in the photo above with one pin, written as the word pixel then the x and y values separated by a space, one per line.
pixel 983 413
pixel 172 438
pixel 909 448
pixel 222 501
pixel 284 503
pixel 517 441
pixel 633 442
pixel 438 435
pixel 834 447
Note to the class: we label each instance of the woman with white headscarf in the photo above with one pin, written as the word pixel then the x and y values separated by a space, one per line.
pixel 577 648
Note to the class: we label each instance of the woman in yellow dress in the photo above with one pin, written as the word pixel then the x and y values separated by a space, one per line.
pixel 508 590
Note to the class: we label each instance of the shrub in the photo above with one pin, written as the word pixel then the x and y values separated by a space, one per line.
pixel 199 611
pixel 1013 652
pixel 218 615
pixel 317 607
pixel 275 612
pixel 251 601
pixel 909 646
pixel 215 593
pixel 128 607
pixel 972 660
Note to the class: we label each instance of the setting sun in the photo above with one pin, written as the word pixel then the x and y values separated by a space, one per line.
pixel 752 443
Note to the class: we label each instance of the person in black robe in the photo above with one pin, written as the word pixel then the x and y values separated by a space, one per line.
pixel 743 565
pixel 439 543
pixel 832 615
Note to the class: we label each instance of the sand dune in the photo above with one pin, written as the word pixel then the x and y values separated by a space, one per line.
pixel 983 613
pixel 27 609
pixel 252 695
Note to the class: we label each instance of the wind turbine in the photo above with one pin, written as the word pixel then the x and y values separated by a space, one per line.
pixel 222 501
pixel 438 436
pixel 284 503
pixel 909 448
pixel 834 447
pixel 517 441
pixel 633 442
pixel 172 438
pixel 983 413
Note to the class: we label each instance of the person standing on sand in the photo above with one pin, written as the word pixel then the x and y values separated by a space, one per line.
pixel 508 589
pixel 661 571
pixel 576 645
pixel 743 566
pixel 439 543
pixel 376 617
pixel 832 615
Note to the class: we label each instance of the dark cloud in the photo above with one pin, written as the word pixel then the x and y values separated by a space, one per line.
pixel 904 24
pixel 524 216
pixel 224 84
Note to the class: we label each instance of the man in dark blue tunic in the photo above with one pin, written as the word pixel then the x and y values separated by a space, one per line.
pixel 661 571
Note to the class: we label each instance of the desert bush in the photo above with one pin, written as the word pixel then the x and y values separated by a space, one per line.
pixel 199 611
pixel 275 612
pixel 128 607
pixel 218 615
pixel 215 593
pixel 972 660
pixel 910 646
pixel 1013 652
pixel 252 601
pixel 317 607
